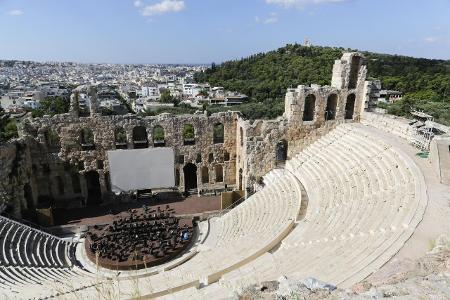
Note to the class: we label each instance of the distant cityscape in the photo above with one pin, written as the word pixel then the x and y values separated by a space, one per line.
pixel 119 88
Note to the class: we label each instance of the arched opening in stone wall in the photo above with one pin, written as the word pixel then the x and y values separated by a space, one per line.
pixel 158 136
pixel 107 182
pixel 53 141
pixel 350 106
pixel 60 185
pixel 226 156
pixel 120 137
pixel 330 110
pixel 140 139
pixel 188 134
pixel 219 173
pixel 199 158
pixel 218 133
pixel 87 139
pixel 281 151
pixel 241 136
pixel 76 185
pixel 205 175
pixel 94 192
pixel 210 157
pixel 240 179
pixel 190 176
pixel 354 70
pixel 177 177
pixel 28 195
pixel 310 106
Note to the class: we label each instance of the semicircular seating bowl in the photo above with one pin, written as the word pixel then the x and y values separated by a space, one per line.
pixel 365 200
pixel 239 236
pixel 29 256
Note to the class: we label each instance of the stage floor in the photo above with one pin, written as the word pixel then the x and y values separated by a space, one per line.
pixel 104 214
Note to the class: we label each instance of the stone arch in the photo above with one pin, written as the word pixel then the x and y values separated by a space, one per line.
pixel 60 185
pixel 28 195
pixel 241 136
pixel 53 141
pixel 76 185
pixel 240 179
pixel 87 139
pixel 226 155
pixel 120 138
pixel 281 151
pixel 188 134
pixel 330 110
pixel 140 139
pixel 354 70
pixel 309 108
pixel 94 192
pixel 177 177
pixel 218 133
pixel 158 136
pixel 219 173
pixel 205 175
pixel 350 106
pixel 190 176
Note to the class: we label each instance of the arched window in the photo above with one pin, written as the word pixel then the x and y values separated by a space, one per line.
pixel 120 137
pixel 281 151
pixel 241 136
pixel 199 158
pixel 177 177
pixel 219 173
pixel 218 133
pixel 60 185
pixel 87 139
pixel 330 110
pixel 211 157
pixel 158 136
pixel 226 156
pixel 189 134
pixel 354 70
pixel 76 186
pixel 53 141
pixel 350 106
pixel 240 179
pixel 140 140
pixel 205 175
pixel 310 105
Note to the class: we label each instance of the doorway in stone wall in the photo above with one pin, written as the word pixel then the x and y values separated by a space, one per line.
pixel 190 176
pixel 94 192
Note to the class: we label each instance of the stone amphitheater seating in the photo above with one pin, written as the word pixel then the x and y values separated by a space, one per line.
pixel 29 256
pixel 365 199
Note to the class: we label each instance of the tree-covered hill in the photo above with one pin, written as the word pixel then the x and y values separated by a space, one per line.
pixel 264 77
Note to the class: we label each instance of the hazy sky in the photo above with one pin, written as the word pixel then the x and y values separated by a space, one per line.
pixel 205 31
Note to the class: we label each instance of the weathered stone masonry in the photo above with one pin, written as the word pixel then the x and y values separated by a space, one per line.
pixel 69 152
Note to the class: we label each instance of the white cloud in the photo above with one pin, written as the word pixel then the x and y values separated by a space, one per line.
pixel 162 7
pixel 137 3
pixel 431 39
pixel 15 12
pixel 272 18
pixel 301 3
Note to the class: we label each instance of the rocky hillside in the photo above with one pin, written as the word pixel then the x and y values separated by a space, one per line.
pixel 427 278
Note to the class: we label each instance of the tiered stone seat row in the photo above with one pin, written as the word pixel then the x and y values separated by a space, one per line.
pixel 365 199
pixel 236 238
pixel 29 256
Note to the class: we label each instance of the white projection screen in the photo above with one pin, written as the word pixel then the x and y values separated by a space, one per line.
pixel 140 169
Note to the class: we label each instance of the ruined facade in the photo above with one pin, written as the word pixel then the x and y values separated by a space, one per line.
pixel 69 163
